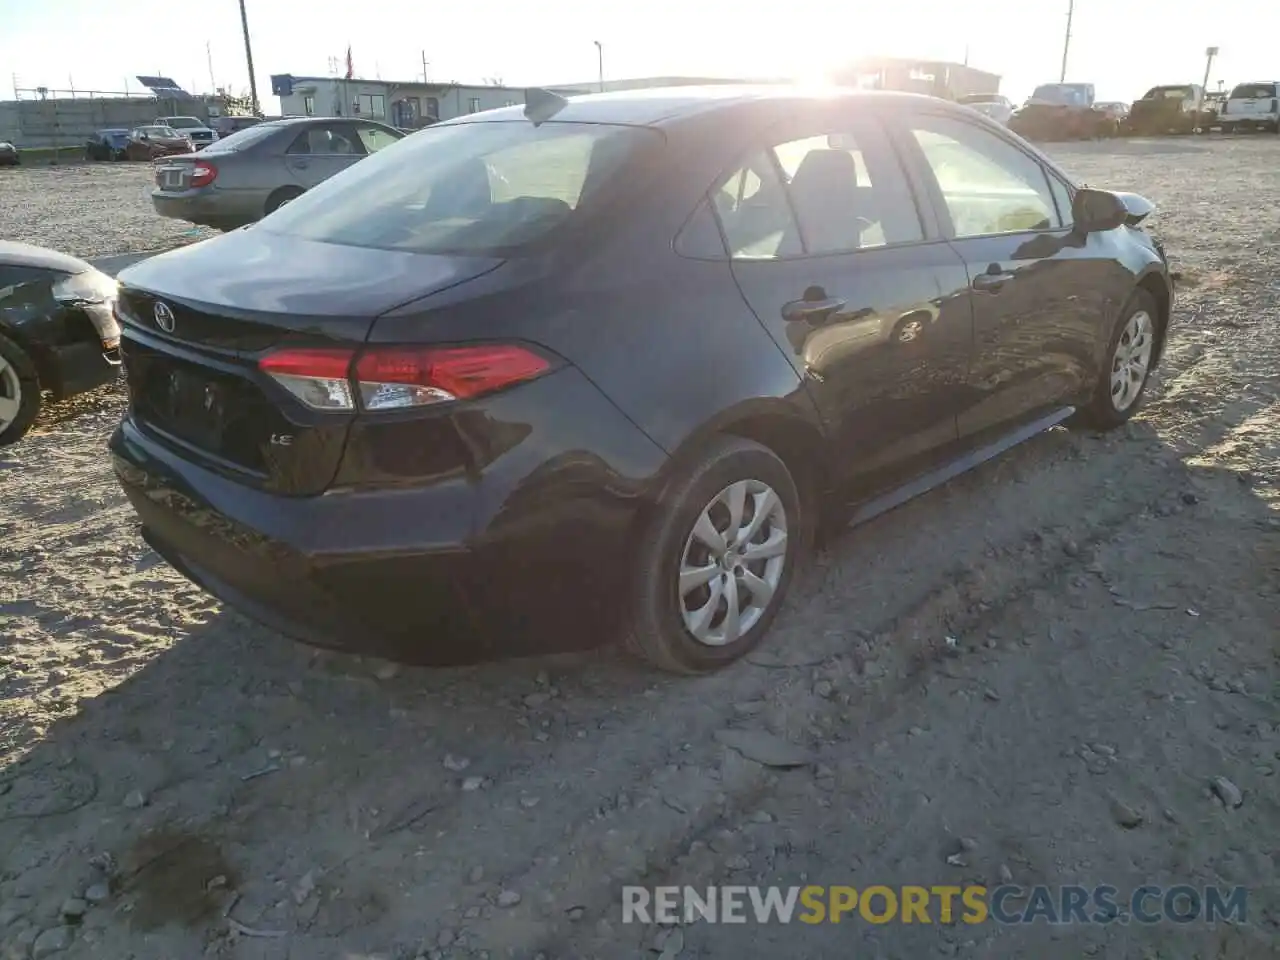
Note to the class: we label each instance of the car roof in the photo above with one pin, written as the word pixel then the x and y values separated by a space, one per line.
pixel 17 254
pixel 659 105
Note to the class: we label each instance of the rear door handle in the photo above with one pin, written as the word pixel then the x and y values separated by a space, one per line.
pixel 812 310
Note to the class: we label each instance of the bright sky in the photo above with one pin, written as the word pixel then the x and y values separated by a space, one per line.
pixel 1123 46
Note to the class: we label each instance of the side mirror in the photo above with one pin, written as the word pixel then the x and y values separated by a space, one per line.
pixel 1096 211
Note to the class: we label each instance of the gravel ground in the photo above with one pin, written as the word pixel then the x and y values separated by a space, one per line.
pixel 201 787
pixel 88 209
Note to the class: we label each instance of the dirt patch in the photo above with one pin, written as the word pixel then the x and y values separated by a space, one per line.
pixel 1040 670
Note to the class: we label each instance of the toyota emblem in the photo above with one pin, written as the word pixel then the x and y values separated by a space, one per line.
pixel 164 316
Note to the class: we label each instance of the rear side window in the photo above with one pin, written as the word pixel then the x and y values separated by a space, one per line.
pixel 240 139
pixel 468 188
pixel 755 213
pixel 831 193
pixel 1254 91
pixel 846 196
pixel 325 142
pixel 375 138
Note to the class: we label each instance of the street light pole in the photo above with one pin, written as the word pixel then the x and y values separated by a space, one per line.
pixel 600 61
pixel 248 57
pixel 1066 41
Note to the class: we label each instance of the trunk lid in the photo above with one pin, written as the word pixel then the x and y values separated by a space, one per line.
pixel 197 320
pixel 173 173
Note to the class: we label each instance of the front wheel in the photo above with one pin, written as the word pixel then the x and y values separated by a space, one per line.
pixel 716 559
pixel 1131 352
pixel 19 392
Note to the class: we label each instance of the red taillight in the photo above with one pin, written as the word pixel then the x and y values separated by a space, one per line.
pixel 203 174
pixel 395 378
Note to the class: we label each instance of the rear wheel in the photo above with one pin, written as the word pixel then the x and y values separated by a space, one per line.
pixel 716 560
pixel 280 198
pixel 1131 352
pixel 19 392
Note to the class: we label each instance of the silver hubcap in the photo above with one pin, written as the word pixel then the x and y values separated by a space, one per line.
pixel 732 562
pixel 1132 361
pixel 10 394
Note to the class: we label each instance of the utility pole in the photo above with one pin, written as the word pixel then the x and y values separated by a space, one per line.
pixel 208 52
pixel 600 61
pixel 424 66
pixel 1210 53
pixel 1066 41
pixel 248 58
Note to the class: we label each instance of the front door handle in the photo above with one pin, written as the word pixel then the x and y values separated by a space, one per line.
pixel 993 279
pixel 813 311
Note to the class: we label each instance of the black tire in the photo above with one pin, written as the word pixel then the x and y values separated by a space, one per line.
pixel 279 198
pixel 28 382
pixel 657 631
pixel 1101 411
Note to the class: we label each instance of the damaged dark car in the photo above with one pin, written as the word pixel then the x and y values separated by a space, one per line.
pixel 58 333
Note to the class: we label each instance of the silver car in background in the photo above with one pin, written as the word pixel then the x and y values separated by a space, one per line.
pixel 994 105
pixel 243 177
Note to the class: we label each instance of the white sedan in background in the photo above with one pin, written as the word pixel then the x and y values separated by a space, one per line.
pixel 996 106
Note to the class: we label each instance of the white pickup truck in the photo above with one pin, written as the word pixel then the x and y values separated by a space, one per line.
pixel 194 128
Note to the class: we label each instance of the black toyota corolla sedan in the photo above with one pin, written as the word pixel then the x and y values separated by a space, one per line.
pixel 540 375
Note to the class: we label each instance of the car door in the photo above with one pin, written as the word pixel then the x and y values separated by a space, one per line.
pixel 835 258
pixel 1041 294
pixel 321 150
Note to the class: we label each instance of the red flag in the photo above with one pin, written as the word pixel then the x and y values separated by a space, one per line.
pixel 351 71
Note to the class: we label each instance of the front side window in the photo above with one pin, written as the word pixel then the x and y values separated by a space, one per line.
pixel 469 188
pixel 988 185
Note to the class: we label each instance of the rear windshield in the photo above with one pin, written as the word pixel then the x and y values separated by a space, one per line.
pixel 483 188
pixel 246 137
pixel 179 123
pixel 1254 91
pixel 1169 93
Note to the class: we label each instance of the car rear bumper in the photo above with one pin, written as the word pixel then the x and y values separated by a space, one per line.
pixel 208 207
pixel 466 567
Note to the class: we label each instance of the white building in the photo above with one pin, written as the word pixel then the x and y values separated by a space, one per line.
pixel 409 104
pixel 413 104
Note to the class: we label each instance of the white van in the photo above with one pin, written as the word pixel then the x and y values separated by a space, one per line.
pixel 1252 106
